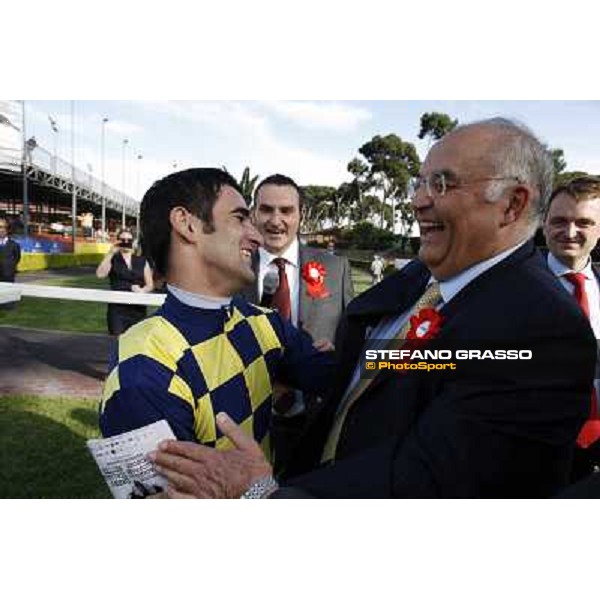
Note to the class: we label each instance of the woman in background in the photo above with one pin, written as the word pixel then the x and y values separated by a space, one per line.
pixel 127 273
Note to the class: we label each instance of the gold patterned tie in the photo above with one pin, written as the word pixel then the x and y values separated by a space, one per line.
pixel 429 299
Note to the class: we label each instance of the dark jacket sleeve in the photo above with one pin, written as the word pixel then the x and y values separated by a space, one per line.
pixel 480 437
pixel 302 367
pixel 16 253
pixel 347 285
pixel 365 475
pixel 496 438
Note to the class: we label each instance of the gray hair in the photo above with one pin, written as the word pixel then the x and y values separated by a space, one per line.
pixel 521 155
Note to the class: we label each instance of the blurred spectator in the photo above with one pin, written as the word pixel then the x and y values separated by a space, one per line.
pixel 10 254
pixel 87 224
pixel 101 236
pixel 57 227
pixel 377 267
pixel 127 273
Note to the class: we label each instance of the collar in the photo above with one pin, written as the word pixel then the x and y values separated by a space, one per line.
pixel 451 287
pixel 3 240
pixel 197 300
pixel 400 291
pixel 291 255
pixel 559 269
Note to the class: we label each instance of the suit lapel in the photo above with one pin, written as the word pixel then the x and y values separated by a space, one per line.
pixel 391 297
pixel 305 303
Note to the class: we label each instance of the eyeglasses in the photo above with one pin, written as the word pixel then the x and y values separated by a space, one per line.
pixel 440 182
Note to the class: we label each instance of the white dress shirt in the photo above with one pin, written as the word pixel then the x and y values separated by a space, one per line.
pixel 591 287
pixel 292 270
pixel 593 294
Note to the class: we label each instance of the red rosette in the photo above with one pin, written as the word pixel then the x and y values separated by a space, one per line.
pixel 313 273
pixel 425 325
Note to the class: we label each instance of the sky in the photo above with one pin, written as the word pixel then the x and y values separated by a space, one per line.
pixel 311 141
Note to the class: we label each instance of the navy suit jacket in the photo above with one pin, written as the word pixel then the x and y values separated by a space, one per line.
pixel 487 429
pixel 10 255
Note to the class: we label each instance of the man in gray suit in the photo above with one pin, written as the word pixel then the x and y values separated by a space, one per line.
pixel 310 287
pixel 318 283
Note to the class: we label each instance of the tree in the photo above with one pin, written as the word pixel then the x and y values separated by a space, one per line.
pixel 358 169
pixel 320 205
pixel 246 183
pixel 407 218
pixel 559 162
pixel 365 235
pixel 566 176
pixel 348 199
pixel 392 163
pixel 351 194
pixel 436 125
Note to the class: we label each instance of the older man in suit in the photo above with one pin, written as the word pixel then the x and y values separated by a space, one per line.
pixel 572 230
pixel 488 428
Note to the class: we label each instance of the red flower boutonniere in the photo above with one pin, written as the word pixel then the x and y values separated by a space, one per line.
pixel 424 325
pixel 313 273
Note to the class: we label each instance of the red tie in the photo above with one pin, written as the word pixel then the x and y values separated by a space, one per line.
pixel 281 298
pixel 590 432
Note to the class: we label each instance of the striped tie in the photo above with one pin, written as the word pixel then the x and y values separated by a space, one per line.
pixel 429 299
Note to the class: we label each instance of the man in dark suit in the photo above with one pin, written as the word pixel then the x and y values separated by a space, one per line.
pixel 572 230
pixel 10 254
pixel 487 428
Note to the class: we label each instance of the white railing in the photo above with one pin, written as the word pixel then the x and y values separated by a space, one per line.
pixel 7 296
pixel 12 292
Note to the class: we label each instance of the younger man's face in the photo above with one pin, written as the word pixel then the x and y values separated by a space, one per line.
pixel 226 252
pixel 277 216
pixel 572 229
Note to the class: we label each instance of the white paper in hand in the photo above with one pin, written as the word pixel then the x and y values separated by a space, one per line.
pixel 124 464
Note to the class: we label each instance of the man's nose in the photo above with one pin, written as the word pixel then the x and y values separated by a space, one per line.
pixel 421 199
pixel 276 218
pixel 571 231
pixel 256 239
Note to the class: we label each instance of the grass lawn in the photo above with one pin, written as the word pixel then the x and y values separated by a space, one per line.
pixel 61 315
pixel 42 448
pixel 361 279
